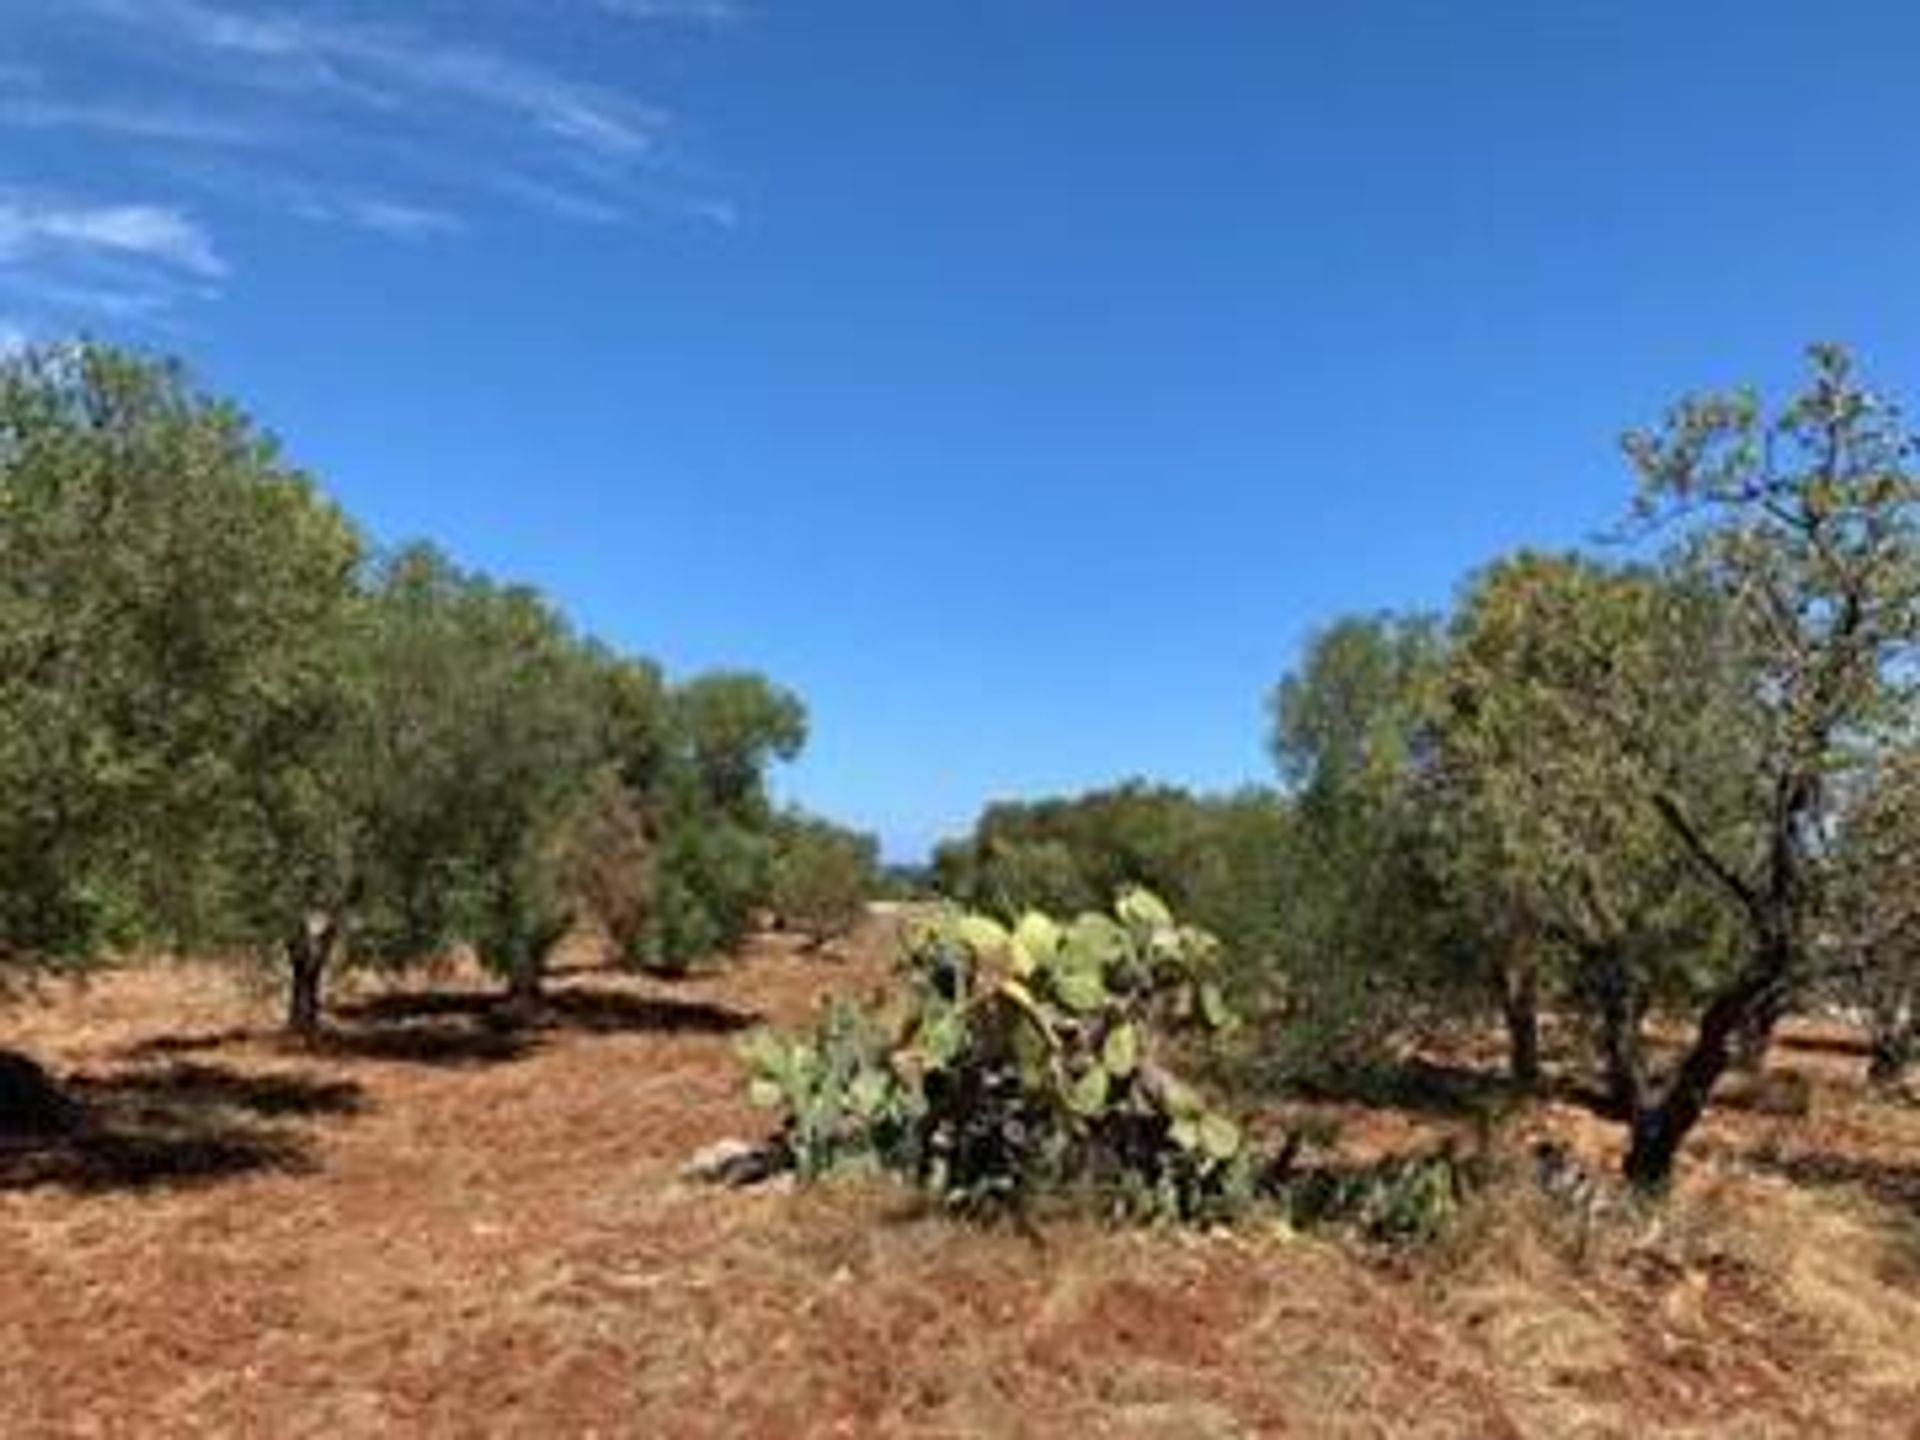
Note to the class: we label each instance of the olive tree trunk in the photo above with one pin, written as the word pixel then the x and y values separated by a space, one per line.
pixel 1658 1127
pixel 1520 1005
pixel 310 953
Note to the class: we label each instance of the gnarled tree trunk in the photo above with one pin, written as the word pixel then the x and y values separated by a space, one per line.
pixel 310 951
pixel 1621 1011
pixel 1520 1005
pixel 1658 1127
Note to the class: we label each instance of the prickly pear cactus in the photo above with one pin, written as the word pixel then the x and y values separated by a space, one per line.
pixel 841 1102
pixel 1025 1063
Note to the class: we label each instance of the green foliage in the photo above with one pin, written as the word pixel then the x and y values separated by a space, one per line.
pixel 1871 910
pixel 1068 855
pixel 727 728
pixel 528 752
pixel 823 876
pixel 221 726
pixel 632 701
pixel 1009 876
pixel 171 603
pixel 1217 859
pixel 1237 885
pixel 1407 1200
pixel 1343 723
pixel 1685 783
pixel 1803 528
pixel 606 866
pixel 713 875
pixel 901 882
pixel 842 1102
pixel 1546 839
pixel 707 802
pixel 480 747
pixel 1368 948
pixel 1027 1062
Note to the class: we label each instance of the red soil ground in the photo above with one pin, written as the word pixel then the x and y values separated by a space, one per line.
pixel 444 1227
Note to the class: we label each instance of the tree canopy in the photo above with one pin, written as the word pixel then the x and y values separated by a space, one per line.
pixel 227 721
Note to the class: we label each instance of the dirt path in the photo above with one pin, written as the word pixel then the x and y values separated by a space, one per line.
pixel 448 1229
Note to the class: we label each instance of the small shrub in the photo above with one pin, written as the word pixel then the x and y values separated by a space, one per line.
pixel 1404 1200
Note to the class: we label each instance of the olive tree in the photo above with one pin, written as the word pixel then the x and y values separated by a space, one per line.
pixel 435 806
pixel 173 600
pixel 519 744
pixel 1802 525
pixel 1563 873
pixel 1366 942
pixel 823 876
pixel 711 811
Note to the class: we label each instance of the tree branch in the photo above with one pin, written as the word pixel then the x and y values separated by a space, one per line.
pixel 1702 853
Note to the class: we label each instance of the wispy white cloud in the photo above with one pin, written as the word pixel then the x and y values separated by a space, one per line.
pixel 396 121
pixel 399 62
pixel 565 202
pixel 30 229
pixel 421 109
pixel 13 337
pixel 397 219
pixel 130 121
pixel 27 101
pixel 67 262
pixel 712 11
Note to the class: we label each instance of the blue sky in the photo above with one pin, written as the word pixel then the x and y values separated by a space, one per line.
pixel 1020 380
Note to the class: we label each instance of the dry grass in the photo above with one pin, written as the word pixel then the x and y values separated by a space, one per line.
pixel 441 1225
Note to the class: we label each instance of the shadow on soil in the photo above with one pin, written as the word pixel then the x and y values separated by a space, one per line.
pixel 1853 1046
pixel 1893 1184
pixel 451 1040
pixel 499 1028
pixel 456 1028
pixel 1420 1087
pixel 174 1125
pixel 161 1047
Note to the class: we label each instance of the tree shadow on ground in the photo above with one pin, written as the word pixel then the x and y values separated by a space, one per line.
pixel 1853 1046
pixel 487 1027
pixel 160 1047
pixel 451 1040
pixel 1416 1086
pixel 613 1012
pixel 578 1009
pixel 170 1126
pixel 1891 1183
pixel 458 1037
pixel 183 1084
pixel 468 1027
